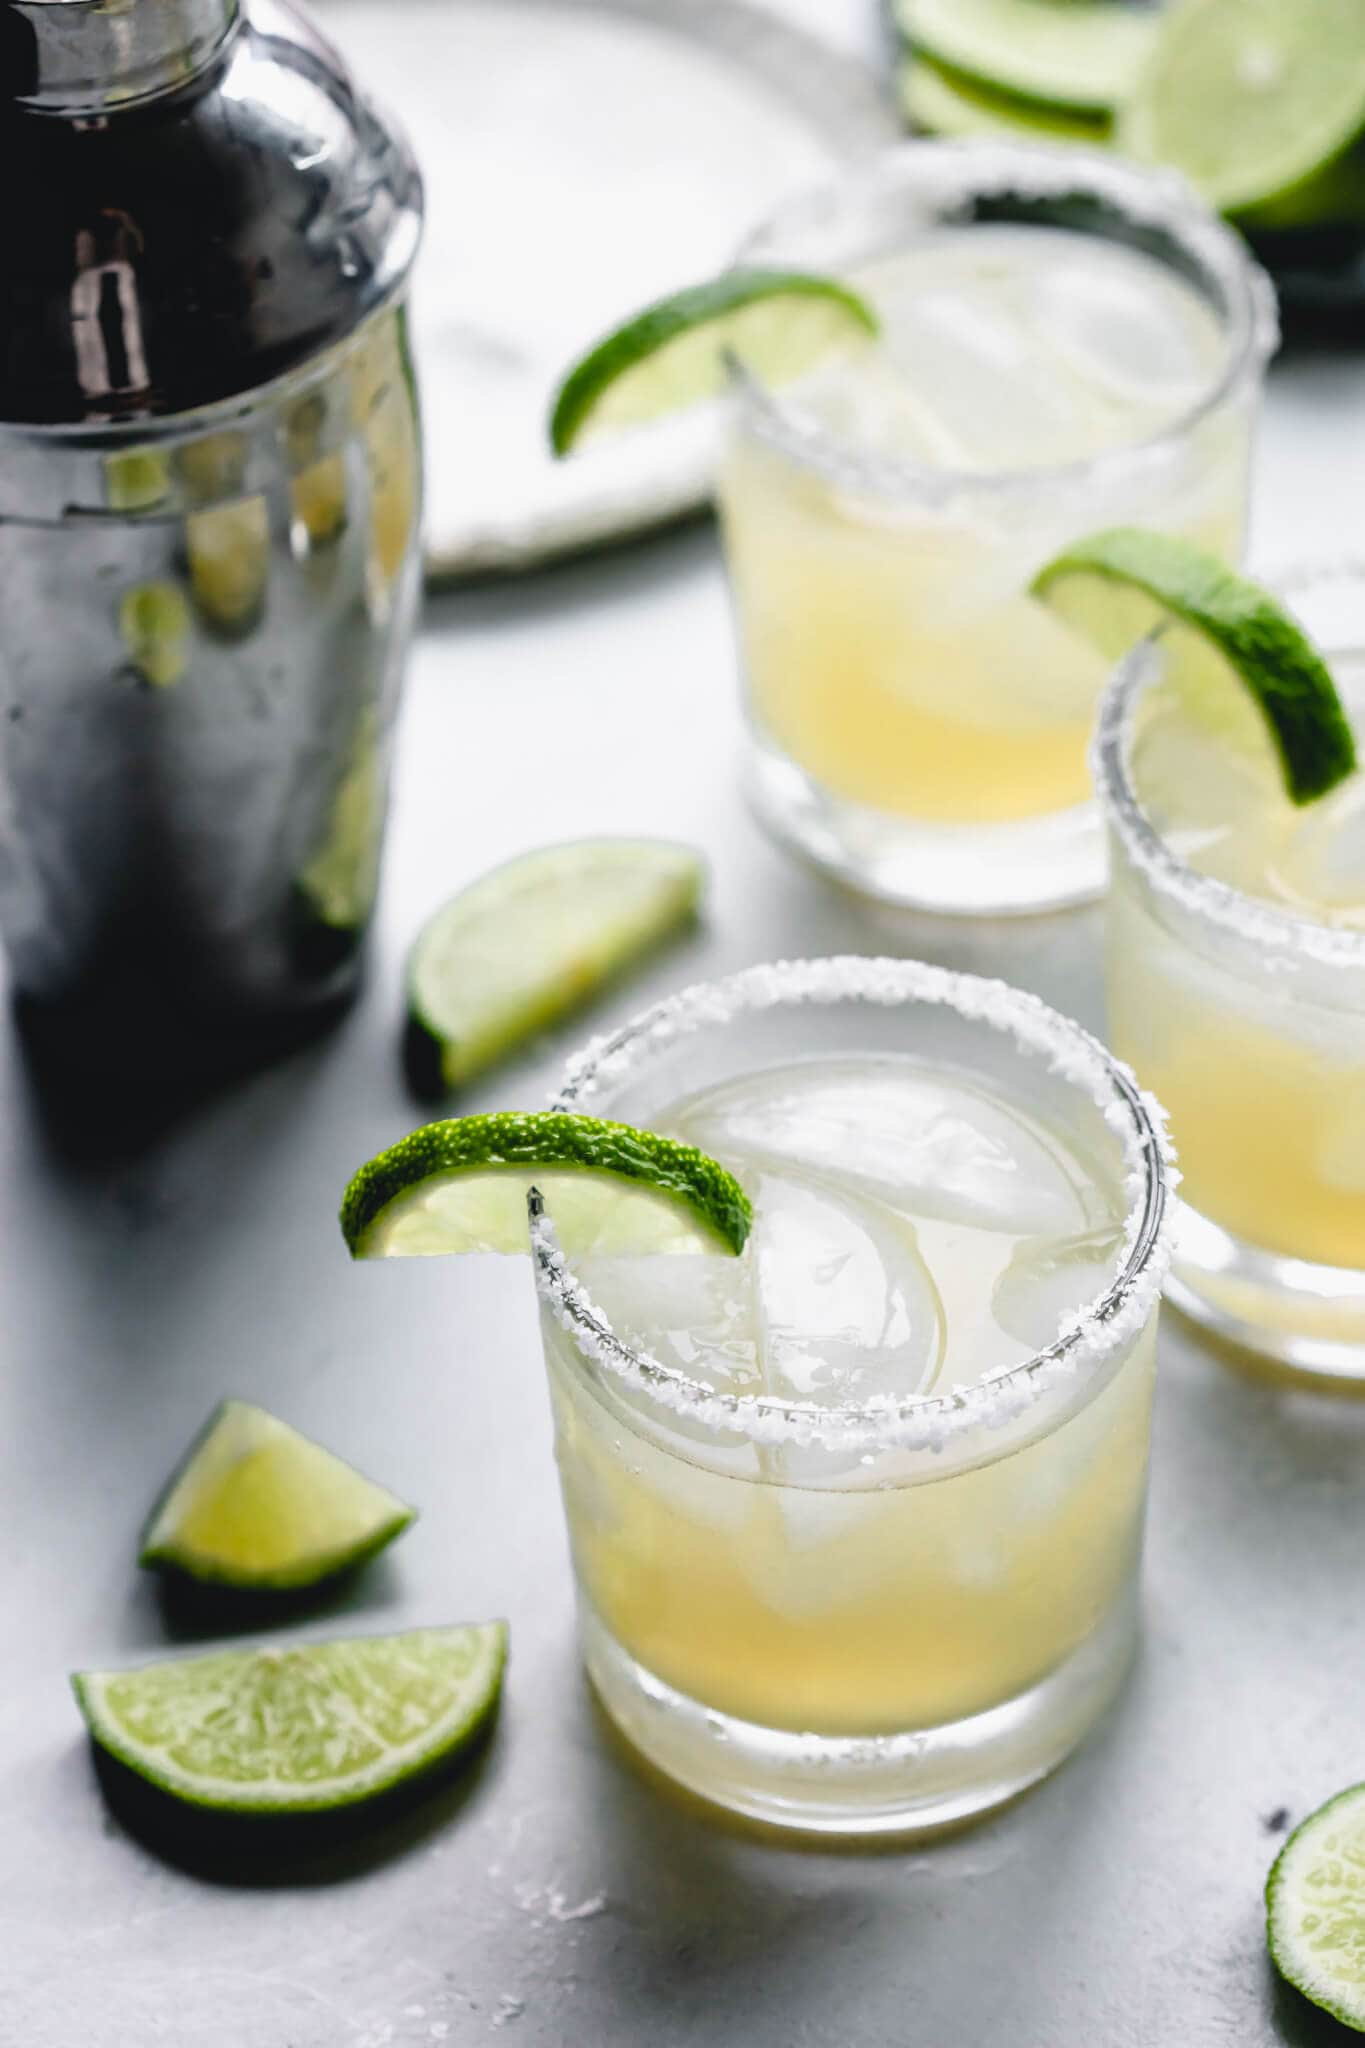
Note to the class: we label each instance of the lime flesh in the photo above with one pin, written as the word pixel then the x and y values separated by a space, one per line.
pixel 1315 1908
pixel 531 942
pixel 1064 53
pixel 672 356
pixel 1114 586
pixel 256 1506
pixel 1251 99
pixel 462 1185
pixel 299 1730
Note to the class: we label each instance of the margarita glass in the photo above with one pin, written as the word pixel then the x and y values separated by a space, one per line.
pixel 856 1517
pixel 1236 980
pixel 1068 343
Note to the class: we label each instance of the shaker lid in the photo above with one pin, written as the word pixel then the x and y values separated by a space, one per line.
pixel 193 227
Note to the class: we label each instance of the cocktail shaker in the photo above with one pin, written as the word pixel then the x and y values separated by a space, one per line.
pixel 209 512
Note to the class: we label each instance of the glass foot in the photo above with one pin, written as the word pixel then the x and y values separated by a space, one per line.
pixel 1031 864
pixel 1307 1319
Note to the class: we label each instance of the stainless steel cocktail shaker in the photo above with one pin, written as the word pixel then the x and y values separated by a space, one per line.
pixel 209 511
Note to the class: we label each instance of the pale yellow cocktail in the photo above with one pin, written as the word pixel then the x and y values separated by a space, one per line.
pixel 920 721
pixel 1236 978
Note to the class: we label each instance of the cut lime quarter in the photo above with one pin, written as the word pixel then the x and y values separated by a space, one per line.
pixel 258 1507
pixel 301 1729
pixel 1315 1908
pixel 531 942
pixel 1112 586
pixel 1249 98
pixel 778 323
pixel 1065 53
pixel 461 1186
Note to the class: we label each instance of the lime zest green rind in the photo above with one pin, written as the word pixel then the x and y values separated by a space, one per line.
pixel 938 100
pixel 451 1040
pixel 1285 1941
pixel 695 306
pixel 462 1666
pixel 1264 647
pixel 163 1548
pixel 545 1140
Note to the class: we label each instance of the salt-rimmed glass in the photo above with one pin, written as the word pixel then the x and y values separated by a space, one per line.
pixel 918 728
pixel 1250 1022
pixel 994 1527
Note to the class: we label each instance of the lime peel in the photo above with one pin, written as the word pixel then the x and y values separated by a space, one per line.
pixel 594 392
pixel 937 100
pixel 307 1728
pixel 256 1506
pixel 1315 1908
pixel 1259 642
pixel 701 1199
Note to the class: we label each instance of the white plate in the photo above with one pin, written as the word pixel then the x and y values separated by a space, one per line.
pixel 581 157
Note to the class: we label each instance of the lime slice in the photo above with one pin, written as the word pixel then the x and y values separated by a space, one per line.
pixel 671 356
pixel 939 102
pixel 1066 53
pixel 1113 585
pixel 300 1730
pixel 529 943
pixel 255 1505
pixel 1315 1908
pixel 1249 98
pixel 461 1186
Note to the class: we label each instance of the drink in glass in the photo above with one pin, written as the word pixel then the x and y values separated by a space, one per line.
pixel 1236 979
pixel 1067 343
pixel 856 1517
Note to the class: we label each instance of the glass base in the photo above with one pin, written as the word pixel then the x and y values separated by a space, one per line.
pixel 870 1785
pixel 1031 864
pixel 1308 1319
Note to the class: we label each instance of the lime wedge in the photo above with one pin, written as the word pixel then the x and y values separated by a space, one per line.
pixel 939 102
pixel 256 1506
pixel 1066 53
pixel 1249 98
pixel 461 1186
pixel 1315 1908
pixel 1112 586
pixel 532 941
pixel 777 322
pixel 300 1730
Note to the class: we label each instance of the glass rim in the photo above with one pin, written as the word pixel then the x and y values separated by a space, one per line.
pixel 1250 918
pixel 1085 1340
pixel 1149 196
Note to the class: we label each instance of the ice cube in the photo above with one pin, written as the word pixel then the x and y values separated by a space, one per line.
pixel 936 1146
pixel 1136 337
pixel 1322 864
pixel 1049 1278
pixel 694 1314
pixel 966 362
pixel 847 1307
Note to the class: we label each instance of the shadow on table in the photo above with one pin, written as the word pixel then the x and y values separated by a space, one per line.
pixel 1299 2024
pixel 190 1613
pixel 264 1852
pixel 103 1099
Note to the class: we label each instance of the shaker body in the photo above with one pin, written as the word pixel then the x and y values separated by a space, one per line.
pixel 208 578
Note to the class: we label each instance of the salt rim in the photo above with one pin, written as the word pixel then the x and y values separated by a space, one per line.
pixel 922 1421
pixel 947 171
pixel 1262 925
